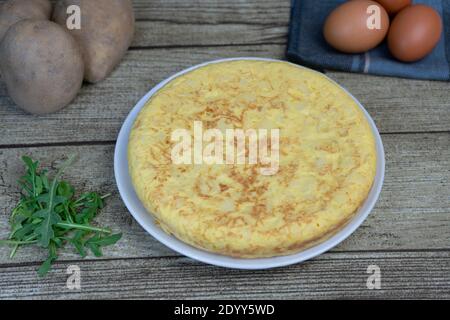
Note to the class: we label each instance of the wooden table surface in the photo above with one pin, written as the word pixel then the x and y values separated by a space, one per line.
pixel 407 235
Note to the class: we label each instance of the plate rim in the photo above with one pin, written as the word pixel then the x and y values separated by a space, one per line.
pixel 147 222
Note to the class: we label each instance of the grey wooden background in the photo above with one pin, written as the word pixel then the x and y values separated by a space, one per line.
pixel 407 235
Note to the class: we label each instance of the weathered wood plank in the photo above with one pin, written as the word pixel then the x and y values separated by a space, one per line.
pixel 204 22
pixel 404 104
pixel 214 11
pixel 154 34
pixel 408 275
pixel 193 23
pixel 413 211
pixel 99 110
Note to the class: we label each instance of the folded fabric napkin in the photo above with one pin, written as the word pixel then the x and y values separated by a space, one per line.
pixel 307 45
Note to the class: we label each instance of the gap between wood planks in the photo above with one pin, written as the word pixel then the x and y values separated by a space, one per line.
pixel 323 256
pixel 58 144
pixel 181 46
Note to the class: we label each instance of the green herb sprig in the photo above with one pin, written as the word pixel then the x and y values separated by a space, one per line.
pixel 50 215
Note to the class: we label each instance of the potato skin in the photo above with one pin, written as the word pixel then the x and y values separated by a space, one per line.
pixel 107 30
pixel 13 11
pixel 41 65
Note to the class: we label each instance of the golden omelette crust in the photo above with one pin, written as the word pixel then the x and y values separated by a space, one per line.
pixel 327 159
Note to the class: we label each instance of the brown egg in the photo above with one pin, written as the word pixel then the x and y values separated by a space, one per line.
pixel 350 27
pixel 394 6
pixel 414 33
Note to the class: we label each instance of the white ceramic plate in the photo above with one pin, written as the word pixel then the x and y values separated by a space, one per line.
pixel 145 219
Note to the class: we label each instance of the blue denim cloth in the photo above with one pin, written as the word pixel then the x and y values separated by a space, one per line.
pixel 307 45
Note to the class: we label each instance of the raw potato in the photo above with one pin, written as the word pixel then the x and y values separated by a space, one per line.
pixel 13 11
pixel 107 29
pixel 41 65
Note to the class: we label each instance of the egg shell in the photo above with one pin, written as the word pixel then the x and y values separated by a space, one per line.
pixel 394 6
pixel 414 33
pixel 346 28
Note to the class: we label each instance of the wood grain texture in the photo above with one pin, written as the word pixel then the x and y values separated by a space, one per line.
pixel 413 211
pixel 164 33
pixel 417 275
pixel 214 11
pixel 400 105
pixel 210 23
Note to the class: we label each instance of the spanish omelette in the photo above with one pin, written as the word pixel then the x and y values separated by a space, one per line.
pixel 327 159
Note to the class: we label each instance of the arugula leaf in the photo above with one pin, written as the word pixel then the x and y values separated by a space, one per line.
pixel 97 241
pixel 45 228
pixel 50 218
pixel 104 241
pixel 49 215
pixel 78 242
pixel 47 264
